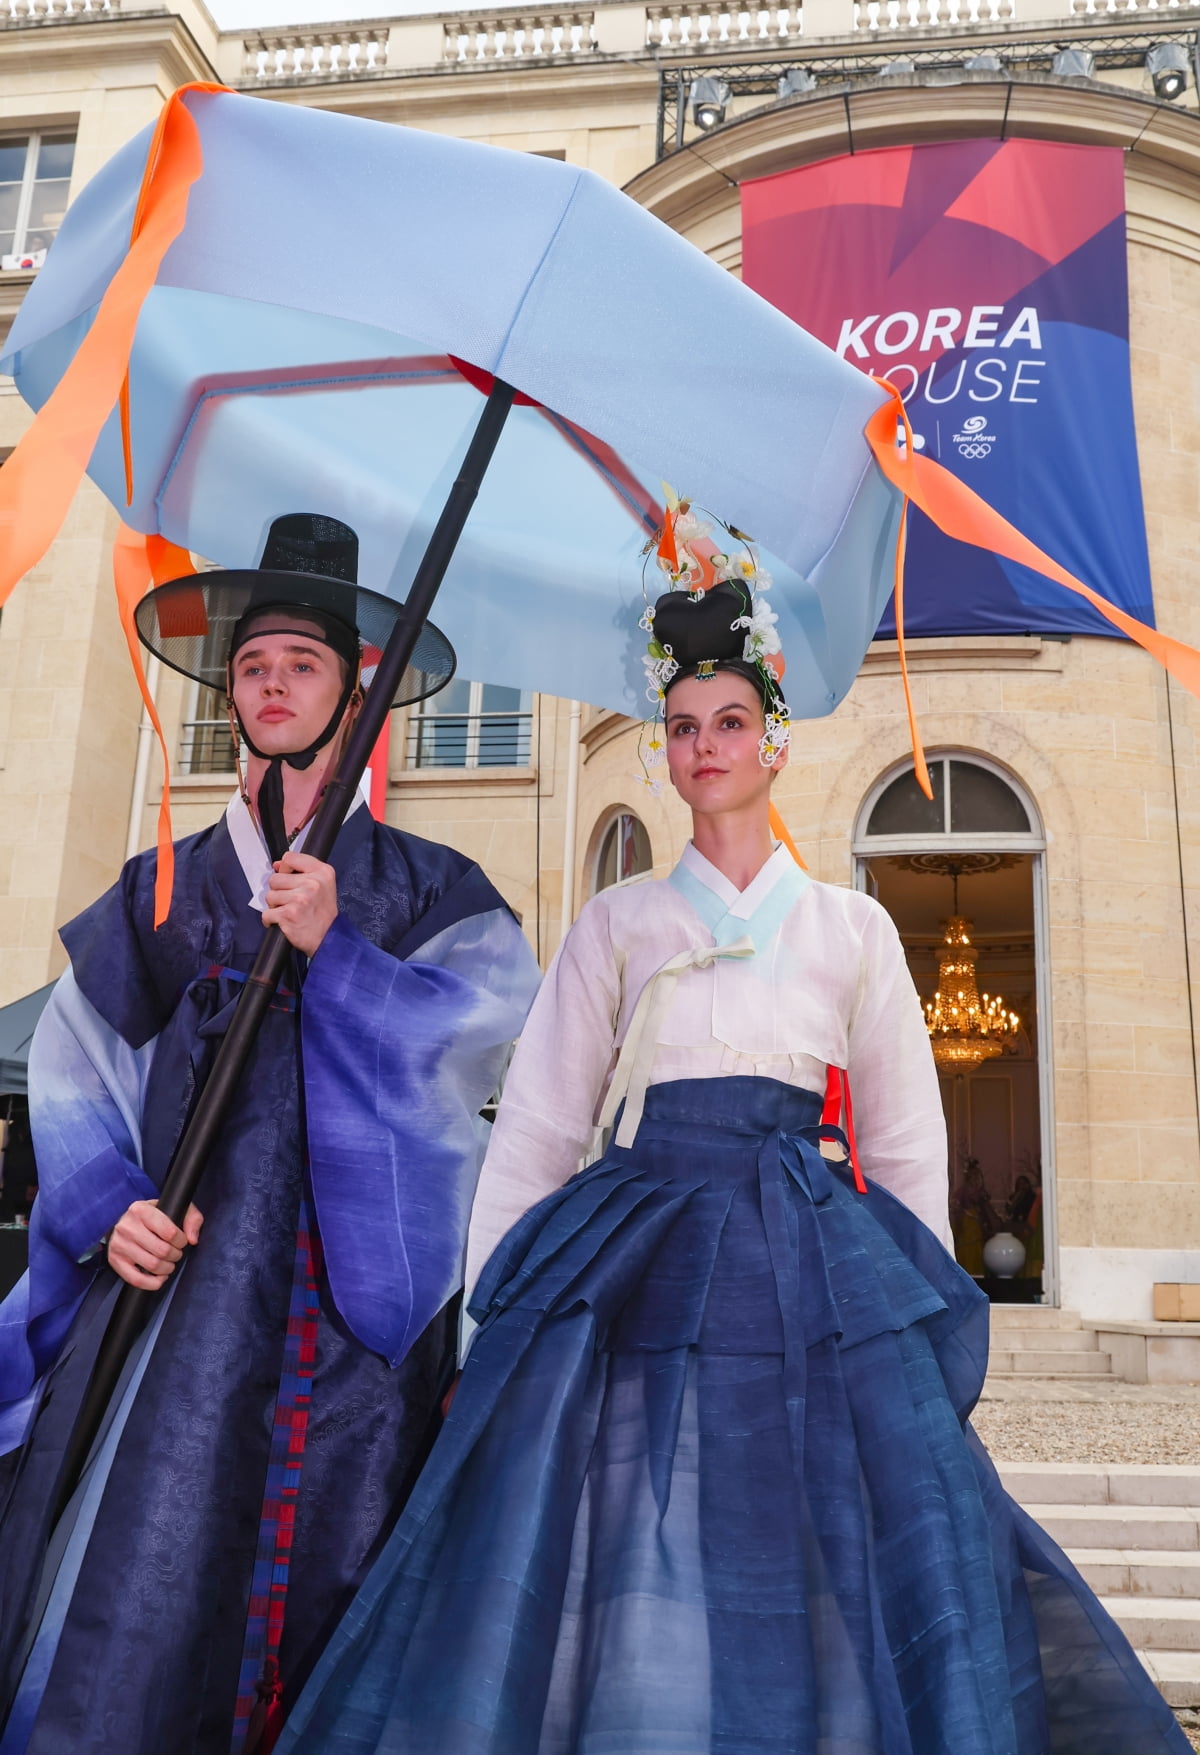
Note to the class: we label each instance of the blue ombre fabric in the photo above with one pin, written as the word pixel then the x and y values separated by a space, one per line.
pixel 407 1011
pixel 707 1488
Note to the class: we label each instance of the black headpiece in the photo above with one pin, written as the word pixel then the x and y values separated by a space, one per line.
pixel 309 570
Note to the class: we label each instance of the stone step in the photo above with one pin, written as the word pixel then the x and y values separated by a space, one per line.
pixel 1174 1528
pixel 1028 1363
pixel 1140 1572
pixel 1050 1340
pixel 1039 1316
pixel 1085 1484
pixel 1177 1674
pixel 1168 1624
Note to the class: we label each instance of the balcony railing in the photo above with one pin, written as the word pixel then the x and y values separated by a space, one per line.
pixel 206 747
pixel 469 740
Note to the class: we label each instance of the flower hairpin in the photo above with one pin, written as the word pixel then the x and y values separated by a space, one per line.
pixel 693 561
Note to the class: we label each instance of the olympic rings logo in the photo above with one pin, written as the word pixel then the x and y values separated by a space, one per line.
pixel 975 449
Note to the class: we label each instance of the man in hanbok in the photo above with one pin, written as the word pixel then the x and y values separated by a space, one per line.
pixel 281 1400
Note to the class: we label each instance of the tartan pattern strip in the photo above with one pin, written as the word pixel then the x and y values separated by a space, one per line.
pixel 260 1687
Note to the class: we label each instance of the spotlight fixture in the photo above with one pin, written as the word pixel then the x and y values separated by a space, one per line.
pixel 710 100
pixel 1073 64
pixel 795 82
pixel 1167 65
pixel 984 62
pixel 901 66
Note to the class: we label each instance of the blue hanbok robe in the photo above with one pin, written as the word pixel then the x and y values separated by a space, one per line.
pixel 361 1098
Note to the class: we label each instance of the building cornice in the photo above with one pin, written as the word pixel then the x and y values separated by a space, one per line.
pixel 105 43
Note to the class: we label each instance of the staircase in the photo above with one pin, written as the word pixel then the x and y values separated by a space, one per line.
pixel 1031 1340
pixel 1133 1530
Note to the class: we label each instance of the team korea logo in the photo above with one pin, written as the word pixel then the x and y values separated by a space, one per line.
pixel 973 441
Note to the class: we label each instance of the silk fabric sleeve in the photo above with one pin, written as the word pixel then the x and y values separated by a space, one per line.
pixel 893 1081
pixel 399 1056
pixel 85 1101
pixel 554 1085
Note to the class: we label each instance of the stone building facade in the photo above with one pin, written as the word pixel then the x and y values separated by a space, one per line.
pixel 1087 887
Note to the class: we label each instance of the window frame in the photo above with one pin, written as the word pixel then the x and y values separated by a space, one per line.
pixel 426 713
pixel 33 145
pixel 1003 840
pixel 606 826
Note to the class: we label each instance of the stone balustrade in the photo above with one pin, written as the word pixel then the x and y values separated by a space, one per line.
pixel 678 28
pixel 18 12
pixel 905 15
pixel 306 54
pixel 516 36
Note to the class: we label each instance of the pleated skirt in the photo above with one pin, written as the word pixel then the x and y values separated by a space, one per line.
pixel 708 1487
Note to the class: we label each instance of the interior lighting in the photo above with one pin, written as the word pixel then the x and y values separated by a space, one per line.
pixel 796 81
pixel 710 100
pixel 965 1027
pixel 1073 64
pixel 1167 65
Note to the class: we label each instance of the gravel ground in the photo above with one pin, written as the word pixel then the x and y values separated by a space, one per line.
pixel 1191 1726
pixel 1039 1420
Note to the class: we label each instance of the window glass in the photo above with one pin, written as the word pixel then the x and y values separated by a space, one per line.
pixel 982 802
pixel 12 159
pixel 624 852
pixel 35 180
pixel 56 156
pixel 903 809
pixel 206 743
pixel 472 725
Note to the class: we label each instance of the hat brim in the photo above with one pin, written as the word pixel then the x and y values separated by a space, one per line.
pixel 189 624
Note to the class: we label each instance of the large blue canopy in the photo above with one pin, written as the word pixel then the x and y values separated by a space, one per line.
pixel 299 353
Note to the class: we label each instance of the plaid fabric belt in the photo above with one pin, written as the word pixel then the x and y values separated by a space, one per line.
pixel 259 1714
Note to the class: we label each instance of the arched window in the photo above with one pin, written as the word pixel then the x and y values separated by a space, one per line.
pixel 624 851
pixel 970 797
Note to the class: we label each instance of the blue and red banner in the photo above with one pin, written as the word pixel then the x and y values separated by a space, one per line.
pixel 988 281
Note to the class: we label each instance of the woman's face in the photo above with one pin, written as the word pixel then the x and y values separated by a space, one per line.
pixel 713 731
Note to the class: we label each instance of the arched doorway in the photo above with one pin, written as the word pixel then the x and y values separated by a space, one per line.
pixel 974 854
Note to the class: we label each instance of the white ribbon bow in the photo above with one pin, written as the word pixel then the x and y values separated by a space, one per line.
pixel 636 1060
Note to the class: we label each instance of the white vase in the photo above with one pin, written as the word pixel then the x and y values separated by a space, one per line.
pixel 1004 1255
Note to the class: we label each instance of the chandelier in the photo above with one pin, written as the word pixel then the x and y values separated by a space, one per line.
pixel 965 1027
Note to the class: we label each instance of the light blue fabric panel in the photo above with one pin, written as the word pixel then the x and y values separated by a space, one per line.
pixel 85 1086
pixel 532 269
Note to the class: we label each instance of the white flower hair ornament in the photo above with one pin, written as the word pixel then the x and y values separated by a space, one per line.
pixel 715 593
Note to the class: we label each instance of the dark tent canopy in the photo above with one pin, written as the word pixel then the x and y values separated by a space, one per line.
pixel 17 1024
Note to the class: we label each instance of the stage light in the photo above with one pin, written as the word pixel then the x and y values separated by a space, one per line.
pixel 795 82
pixel 1073 64
pixel 902 65
pixel 985 62
pixel 710 100
pixel 1167 65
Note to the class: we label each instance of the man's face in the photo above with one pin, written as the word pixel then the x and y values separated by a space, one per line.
pixel 285 687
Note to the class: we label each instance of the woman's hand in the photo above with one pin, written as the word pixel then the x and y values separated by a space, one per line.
pixel 143 1245
pixel 302 901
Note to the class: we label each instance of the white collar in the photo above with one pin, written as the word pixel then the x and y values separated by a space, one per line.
pixel 251 849
pixel 740 903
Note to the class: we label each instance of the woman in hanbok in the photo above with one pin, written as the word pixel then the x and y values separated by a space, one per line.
pixel 707 1486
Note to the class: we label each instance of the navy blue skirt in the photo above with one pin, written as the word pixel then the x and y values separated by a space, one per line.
pixel 708 1488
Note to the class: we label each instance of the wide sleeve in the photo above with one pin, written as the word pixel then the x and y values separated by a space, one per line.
pixel 86 1086
pixel 898 1113
pixel 553 1090
pixel 399 1056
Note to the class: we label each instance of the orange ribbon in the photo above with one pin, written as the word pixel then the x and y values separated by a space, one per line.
pixel 959 512
pixel 140 562
pixel 780 832
pixel 39 480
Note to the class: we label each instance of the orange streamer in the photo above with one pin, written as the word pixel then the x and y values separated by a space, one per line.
pixel 39 480
pixel 959 512
pixel 140 562
pixel 780 831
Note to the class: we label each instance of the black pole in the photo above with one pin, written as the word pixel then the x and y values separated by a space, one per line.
pixel 192 1153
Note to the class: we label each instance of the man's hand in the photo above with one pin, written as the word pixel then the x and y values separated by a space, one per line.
pixel 302 901
pixel 143 1245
